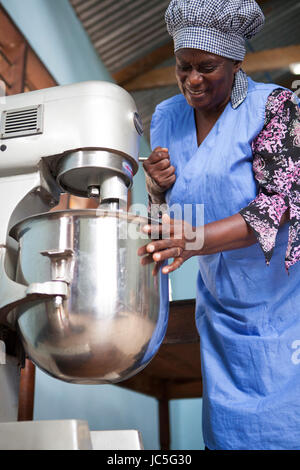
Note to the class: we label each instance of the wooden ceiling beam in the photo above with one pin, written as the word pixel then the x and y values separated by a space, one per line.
pixel 262 61
pixel 144 64
pixel 13 49
pixel 153 79
pixel 20 67
pixel 271 59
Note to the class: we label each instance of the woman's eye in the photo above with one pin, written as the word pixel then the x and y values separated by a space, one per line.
pixel 187 68
pixel 207 70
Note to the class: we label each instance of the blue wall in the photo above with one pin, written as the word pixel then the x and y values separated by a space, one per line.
pixel 56 35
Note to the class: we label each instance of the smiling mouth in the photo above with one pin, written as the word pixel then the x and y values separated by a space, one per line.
pixel 194 92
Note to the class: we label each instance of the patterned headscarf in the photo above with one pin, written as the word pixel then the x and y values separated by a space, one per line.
pixel 216 26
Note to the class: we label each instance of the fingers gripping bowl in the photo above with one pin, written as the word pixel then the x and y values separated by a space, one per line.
pixel 110 326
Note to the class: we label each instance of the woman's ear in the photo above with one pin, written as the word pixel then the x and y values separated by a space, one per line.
pixel 237 65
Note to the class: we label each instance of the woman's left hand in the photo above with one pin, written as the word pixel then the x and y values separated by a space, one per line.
pixel 171 239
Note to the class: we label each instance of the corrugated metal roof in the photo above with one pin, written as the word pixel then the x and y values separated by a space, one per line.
pixel 281 27
pixel 123 31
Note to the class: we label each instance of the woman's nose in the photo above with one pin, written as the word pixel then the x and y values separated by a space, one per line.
pixel 195 77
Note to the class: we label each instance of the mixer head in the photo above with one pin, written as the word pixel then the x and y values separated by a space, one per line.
pixel 87 135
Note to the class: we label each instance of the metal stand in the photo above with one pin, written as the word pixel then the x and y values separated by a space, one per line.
pixel 9 387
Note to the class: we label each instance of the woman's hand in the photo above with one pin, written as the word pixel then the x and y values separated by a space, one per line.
pixel 160 170
pixel 177 240
pixel 181 241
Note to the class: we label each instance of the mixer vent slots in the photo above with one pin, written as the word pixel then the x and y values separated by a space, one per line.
pixel 21 122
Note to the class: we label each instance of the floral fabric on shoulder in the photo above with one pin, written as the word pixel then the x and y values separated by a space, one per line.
pixel 276 166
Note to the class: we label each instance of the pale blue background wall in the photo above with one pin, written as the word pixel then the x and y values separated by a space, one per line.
pixel 54 32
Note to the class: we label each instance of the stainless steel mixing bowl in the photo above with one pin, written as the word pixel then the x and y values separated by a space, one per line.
pixel 111 325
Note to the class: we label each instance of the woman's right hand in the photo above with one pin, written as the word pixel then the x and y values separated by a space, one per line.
pixel 159 169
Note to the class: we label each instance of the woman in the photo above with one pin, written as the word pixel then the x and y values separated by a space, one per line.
pixel 233 145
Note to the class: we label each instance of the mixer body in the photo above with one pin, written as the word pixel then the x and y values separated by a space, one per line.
pixel 71 282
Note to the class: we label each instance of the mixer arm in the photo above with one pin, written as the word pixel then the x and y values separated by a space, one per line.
pixel 13 293
pixel 38 194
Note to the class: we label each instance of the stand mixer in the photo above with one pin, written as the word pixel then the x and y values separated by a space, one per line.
pixel 72 289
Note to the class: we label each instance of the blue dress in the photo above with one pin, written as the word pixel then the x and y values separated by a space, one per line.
pixel 247 313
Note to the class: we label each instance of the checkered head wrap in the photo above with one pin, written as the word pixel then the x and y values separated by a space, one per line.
pixel 216 26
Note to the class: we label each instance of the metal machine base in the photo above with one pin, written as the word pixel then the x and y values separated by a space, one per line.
pixel 64 435
pixel 9 386
pixel 117 440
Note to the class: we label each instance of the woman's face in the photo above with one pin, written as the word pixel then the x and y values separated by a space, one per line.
pixel 205 79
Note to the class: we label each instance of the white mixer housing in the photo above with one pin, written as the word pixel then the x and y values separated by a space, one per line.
pixel 58 120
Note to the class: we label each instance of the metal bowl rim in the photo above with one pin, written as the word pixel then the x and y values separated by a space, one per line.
pixel 72 213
